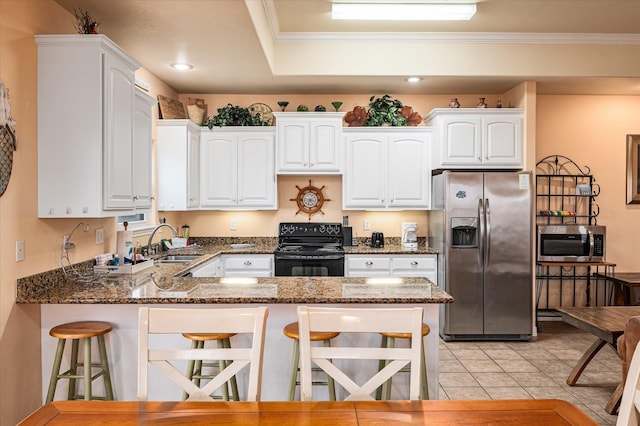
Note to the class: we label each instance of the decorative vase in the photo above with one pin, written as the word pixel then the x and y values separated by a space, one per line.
pixel 499 103
pixel 336 105
pixel 283 105
pixel 482 103
pixel 454 103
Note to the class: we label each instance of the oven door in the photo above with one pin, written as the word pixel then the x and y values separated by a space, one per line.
pixel 293 265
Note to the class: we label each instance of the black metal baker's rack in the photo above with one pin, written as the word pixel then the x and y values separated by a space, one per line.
pixel 566 194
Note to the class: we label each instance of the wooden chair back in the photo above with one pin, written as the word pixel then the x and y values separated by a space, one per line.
pixel 159 321
pixel 629 413
pixel 359 320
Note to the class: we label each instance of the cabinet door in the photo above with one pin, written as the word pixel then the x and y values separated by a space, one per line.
pixel 461 141
pixel 219 170
pixel 178 150
pixel 211 268
pixel 365 176
pixel 142 151
pixel 416 266
pixel 293 146
pixel 248 265
pixel 324 146
pixel 119 104
pixel 193 169
pixel 409 178
pixel 367 266
pixel 256 174
pixel 502 137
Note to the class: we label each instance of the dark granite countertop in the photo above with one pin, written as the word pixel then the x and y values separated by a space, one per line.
pixel 166 283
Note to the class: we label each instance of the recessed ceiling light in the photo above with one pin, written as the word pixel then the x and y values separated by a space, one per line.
pixel 413 79
pixel 181 66
pixel 403 11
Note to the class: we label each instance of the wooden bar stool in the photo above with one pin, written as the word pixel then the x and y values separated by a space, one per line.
pixel 291 331
pixel 194 367
pixel 76 331
pixel 388 341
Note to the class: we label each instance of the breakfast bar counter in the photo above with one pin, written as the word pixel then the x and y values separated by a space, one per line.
pixel 117 298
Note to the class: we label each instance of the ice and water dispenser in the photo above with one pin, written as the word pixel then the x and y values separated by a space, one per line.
pixel 464 232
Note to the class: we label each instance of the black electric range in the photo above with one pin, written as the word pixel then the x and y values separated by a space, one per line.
pixel 309 249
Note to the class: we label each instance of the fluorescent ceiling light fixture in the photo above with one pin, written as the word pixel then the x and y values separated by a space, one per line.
pixel 181 66
pixel 403 11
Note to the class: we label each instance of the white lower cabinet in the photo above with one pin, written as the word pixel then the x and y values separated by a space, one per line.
pixel 249 265
pixel 387 169
pixel 398 265
pixel 367 266
pixel 237 170
pixel 211 268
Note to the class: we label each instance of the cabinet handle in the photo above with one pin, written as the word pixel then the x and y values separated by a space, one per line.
pixel 414 263
pixel 368 263
pixel 247 262
pixel 135 197
pixel 152 198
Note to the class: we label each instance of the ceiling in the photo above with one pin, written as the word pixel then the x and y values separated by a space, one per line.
pixel 292 46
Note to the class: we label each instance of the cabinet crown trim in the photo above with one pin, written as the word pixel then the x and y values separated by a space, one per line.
pixel 86 40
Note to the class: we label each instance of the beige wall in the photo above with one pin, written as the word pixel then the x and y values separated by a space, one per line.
pixel 20 372
pixel 589 129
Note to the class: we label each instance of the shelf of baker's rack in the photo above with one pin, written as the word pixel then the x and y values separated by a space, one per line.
pixel 563 186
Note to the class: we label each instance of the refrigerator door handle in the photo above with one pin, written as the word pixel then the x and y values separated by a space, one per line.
pixel 481 236
pixel 487 243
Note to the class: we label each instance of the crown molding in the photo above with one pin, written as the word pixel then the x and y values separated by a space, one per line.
pixel 442 37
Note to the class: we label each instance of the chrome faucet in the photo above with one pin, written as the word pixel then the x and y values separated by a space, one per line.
pixel 175 234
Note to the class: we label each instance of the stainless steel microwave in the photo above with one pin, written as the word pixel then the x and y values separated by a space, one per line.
pixel 571 243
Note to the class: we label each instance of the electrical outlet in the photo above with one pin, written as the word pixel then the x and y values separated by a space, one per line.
pixel 234 225
pixel 99 236
pixel 19 251
pixel 366 225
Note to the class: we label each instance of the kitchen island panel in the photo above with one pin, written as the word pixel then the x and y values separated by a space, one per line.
pixel 122 345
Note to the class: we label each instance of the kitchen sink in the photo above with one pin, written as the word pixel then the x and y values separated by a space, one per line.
pixel 177 258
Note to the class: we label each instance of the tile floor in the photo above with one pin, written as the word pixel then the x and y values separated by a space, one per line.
pixel 535 369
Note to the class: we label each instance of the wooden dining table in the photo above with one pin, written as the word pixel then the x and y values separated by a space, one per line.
pixel 547 412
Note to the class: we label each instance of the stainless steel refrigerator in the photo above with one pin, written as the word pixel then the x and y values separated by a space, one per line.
pixel 481 223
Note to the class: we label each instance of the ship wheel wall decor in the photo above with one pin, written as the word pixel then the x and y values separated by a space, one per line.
pixel 310 199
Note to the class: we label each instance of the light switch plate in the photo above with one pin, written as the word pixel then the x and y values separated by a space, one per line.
pixel 19 251
pixel 366 225
pixel 234 225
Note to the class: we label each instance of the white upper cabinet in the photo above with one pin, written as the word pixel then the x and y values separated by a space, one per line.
pixel 387 168
pixel 477 138
pixel 309 142
pixel 237 169
pixel 86 132
pixel 178 165
pixel 142 150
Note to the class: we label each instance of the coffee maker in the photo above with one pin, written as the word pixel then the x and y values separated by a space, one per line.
pixel 409 233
